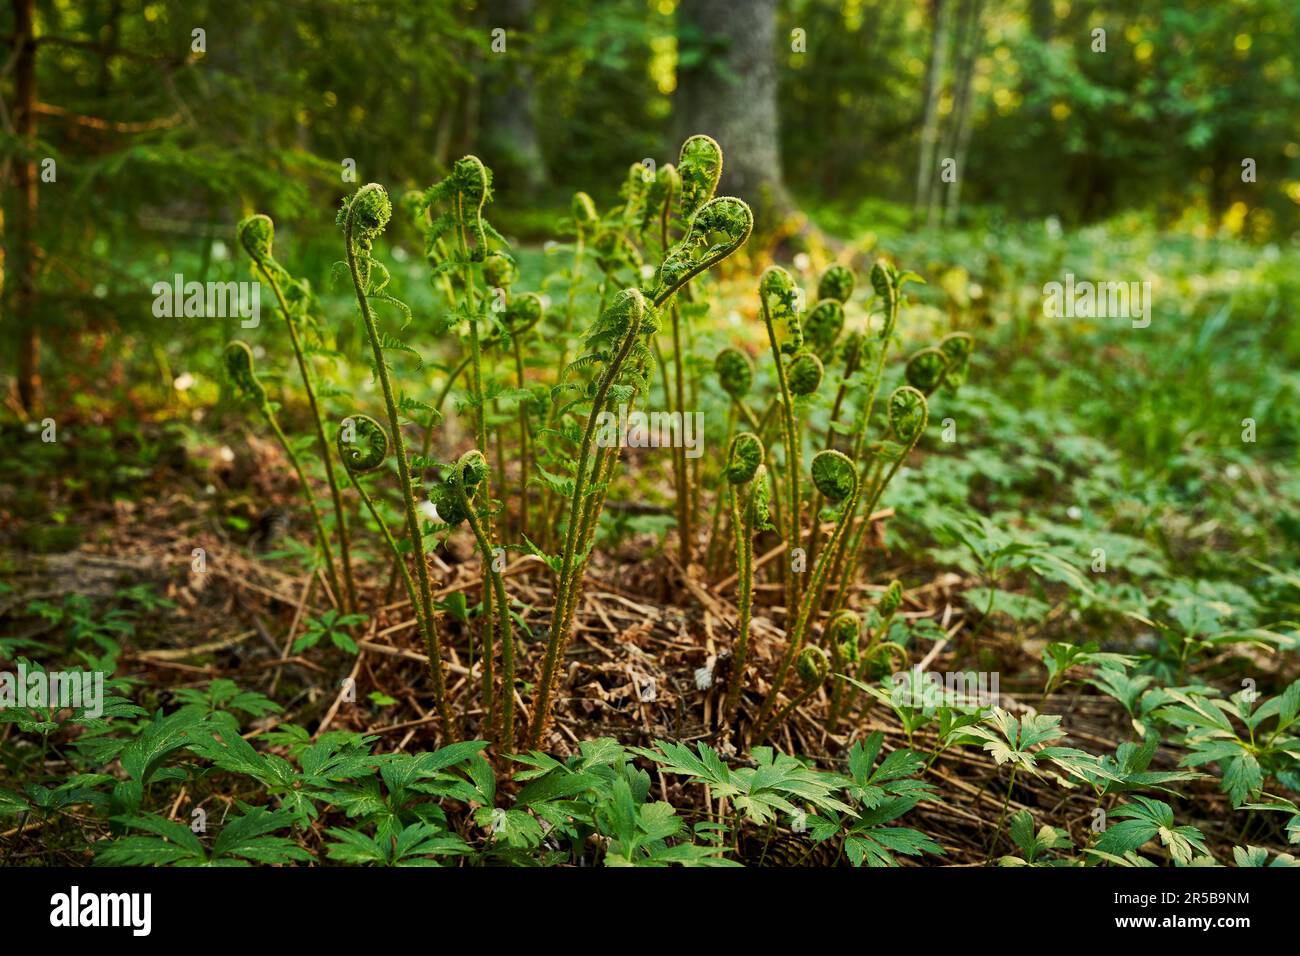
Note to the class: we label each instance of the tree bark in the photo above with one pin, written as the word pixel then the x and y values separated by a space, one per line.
pixel 511 144
pixel 22 259
pixel 972 43
pixel 730 94
pixel 942 15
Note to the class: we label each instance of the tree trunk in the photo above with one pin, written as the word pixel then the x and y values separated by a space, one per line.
pixel 509 133
pixel 942 14
pixel 22 260
pixel 730 94
pixel 973 41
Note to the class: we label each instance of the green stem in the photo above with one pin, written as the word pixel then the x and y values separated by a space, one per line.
pixel 321 536
pixel 565 593
pixel 743 522
pixel 322 443
pixel 793 461
pixel 795 638
pixel 431 636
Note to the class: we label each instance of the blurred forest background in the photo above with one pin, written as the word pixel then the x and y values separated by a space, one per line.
pixel 135 133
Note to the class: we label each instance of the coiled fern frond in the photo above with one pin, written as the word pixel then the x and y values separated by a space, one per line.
pixel 735 372
pixel 719 228
pixel 239 368
pixel 700 168
pixel 780 300
pixel 499 270
pixel 368 448
pixel 834 475
pixel 926 370
pixel 805 374
pixel 837 282
pixel 823 325
pixel 908 414
pixel 958 347
pixel 744 458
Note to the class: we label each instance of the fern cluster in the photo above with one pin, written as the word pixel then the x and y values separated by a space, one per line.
pixel 650 250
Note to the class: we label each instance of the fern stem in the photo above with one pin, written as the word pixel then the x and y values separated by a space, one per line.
pixel 322 443
pixel 431 636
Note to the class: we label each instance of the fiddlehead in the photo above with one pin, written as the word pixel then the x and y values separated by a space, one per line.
pixel 780 298
pixel 660 194
pixel 469 472
pixel 813 666
pixel 957 347
pixel 362 444
pixel 744 466
pixel 908 415
pixel 635 189
pixel 837 283
pixel 842 635
pixel 735 372
pixel 499 270
pixel 805 374
pixel 239 369
pixel 823 326
pixel 926 370
pixel 471 183
pixel 744 458
pixel 700 167
pixel 584 211
pixel 834 475
pixel 779 301
pixel 718 229
pixel 256 235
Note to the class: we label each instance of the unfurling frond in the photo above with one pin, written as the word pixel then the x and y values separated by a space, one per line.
pixel 842 633
pixel 834 475
pixel 719 228
pixel 889 601
pixel 837 283
pixel 523 313
pixel 584 210
pixel 700 167
pixel 805 374
pixel 824 324
pixel 744 458
pixel 368 210
pixel 256 235
pixel 957 346
pixel 362 444
pixel 735 372
pixel 908 414
pixel 780 298
pixel 239 368
pixel 926 369
pixel 667 185
pixel 499 270
pixel 812 666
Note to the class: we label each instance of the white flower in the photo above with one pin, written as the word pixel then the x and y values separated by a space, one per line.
pixel 184 382
pixel 1074 512
pixel 430 511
